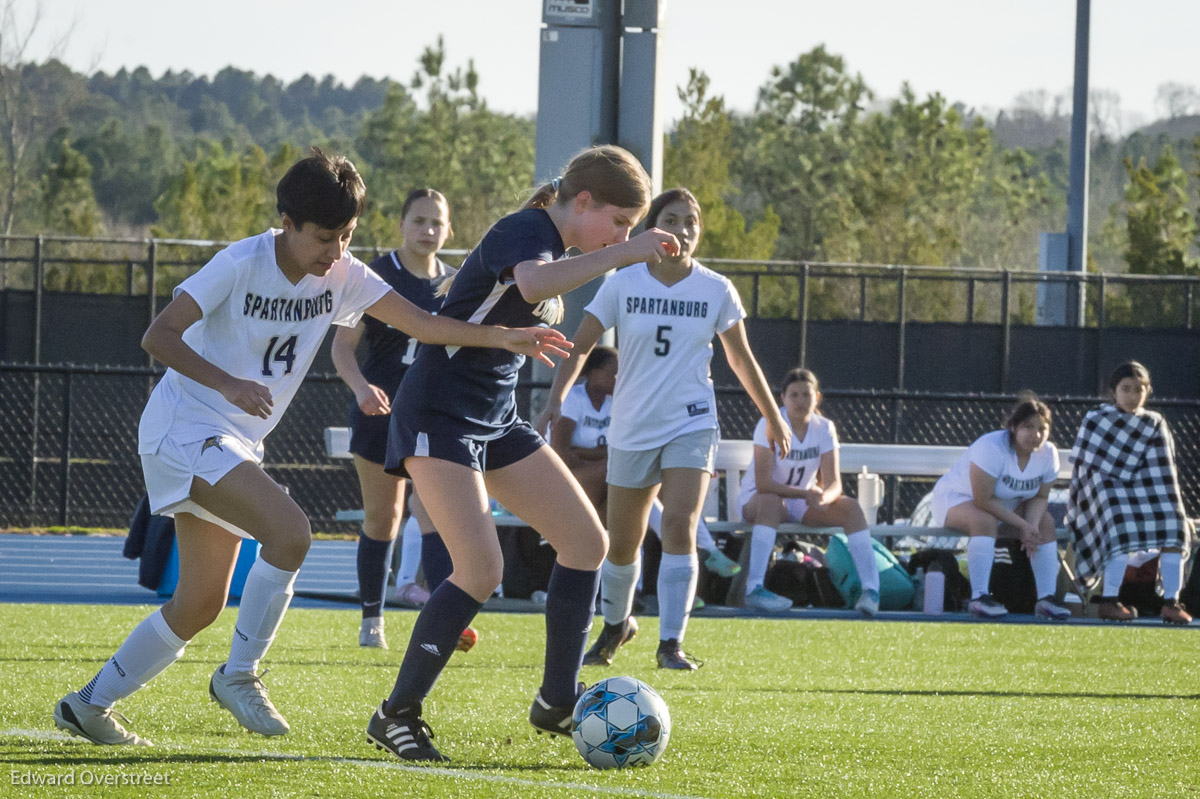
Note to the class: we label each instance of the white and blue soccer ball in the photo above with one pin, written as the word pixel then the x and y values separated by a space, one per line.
pixel 619 723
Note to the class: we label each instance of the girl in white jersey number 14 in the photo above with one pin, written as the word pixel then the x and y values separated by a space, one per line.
pixel 237 340
pixel 664 425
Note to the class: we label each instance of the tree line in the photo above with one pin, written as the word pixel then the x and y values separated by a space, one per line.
pixel 820 170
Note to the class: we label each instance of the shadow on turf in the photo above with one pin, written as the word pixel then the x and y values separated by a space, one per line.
pixel 948 693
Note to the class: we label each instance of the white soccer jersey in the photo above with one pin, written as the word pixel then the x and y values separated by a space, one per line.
pixel 801 466
pixel 993 453
pixel 256 326
pixel 591 425
pixel 664 387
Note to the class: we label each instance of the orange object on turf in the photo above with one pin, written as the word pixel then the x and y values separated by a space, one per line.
pixel 467 640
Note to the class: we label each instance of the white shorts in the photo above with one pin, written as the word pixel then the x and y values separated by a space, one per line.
pixel 794 507
pixel 170 470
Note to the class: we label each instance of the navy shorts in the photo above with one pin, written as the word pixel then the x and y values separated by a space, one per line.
pixel 368 435
pixel 515 444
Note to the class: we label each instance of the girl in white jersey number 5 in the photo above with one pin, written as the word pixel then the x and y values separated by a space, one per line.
pixel 664 418
pixel 237 340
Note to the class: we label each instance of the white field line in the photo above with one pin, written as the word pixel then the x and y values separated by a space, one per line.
pixel 46 735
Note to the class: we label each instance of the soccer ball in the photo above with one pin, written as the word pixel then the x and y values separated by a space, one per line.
pixel 619 723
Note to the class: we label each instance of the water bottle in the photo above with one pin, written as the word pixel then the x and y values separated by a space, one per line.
pixel 935 591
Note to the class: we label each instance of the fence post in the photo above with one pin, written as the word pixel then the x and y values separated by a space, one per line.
pixel 900 314
pixel 970 300
pixel 64 486
pixel 754 296
pixel 1101 323
pixel 1187 306
pixel 803 311
pixel 1006 330
pixel 39 287
pixel 151 288
pixel 862 298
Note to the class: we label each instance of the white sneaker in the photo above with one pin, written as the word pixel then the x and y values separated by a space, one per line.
pixel 767 601
pixel 411 595
pixel 1047 608
pixel 244 695
pixel 868 603
pixel 720 564
pixel 371 633
pixel 97 724
pixel 986 607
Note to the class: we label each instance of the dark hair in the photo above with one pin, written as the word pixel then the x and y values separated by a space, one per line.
pixel 800 375
pixel 421 194
pixel 600 357
pixel 323 189
pixel 1128 369
pixel 666 198
pixel 1028 406
pixel 609 173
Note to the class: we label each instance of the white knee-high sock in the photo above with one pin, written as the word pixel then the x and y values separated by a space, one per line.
pixel 862 552
pixel 1170 567
pixel 265 599
pixel 1045 569
pixel 655 521
pixel 704 539
pixel 676 589
pixel 149 649
pixel 410 552
pixel 616 589
pixel 762 544
pixel 1114 574
pixel 981 553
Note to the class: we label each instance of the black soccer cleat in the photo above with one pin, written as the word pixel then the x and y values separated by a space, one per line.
pixel 671 656
pixel 406 737
pixel 547 718
pixel 611 638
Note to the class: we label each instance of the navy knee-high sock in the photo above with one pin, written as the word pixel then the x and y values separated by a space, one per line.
pixel 374 560
pixel 435 560
pixel 570 600
pixel 447 613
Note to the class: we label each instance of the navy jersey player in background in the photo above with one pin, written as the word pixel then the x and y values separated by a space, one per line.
pixel 414 272
pixel 454 423
pixel 237 340
pixel 664 426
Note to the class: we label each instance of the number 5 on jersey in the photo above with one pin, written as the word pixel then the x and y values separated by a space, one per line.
pixel 664 343
pixel 285 354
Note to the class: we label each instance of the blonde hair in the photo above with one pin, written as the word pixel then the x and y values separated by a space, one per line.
pixel 609 173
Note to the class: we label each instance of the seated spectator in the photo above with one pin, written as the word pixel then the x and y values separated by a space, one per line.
pixel 803 486
pixel 1000 487
pixel 1125 495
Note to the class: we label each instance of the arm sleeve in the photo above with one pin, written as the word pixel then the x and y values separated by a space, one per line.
pixel 732 311
pixel 362 289
pixel 1052 468
pixel 760 435
pixel 570 406
pixel 606 305
pixel 830 441
pixel 986 456
pixel 510 242
pixel 212 285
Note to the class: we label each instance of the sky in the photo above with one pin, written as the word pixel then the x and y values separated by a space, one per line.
pixel 983 54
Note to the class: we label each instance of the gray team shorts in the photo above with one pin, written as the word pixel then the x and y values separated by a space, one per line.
pixel 643 468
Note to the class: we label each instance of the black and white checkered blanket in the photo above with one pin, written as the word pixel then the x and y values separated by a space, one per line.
pixel 1124 494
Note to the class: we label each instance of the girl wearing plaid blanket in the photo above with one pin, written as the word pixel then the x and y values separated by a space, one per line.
pixel 1125 495
pixel 1001 486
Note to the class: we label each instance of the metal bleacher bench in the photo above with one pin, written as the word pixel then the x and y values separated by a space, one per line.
pixel 734 457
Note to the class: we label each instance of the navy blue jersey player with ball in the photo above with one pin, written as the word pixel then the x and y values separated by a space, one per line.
pixel 454 423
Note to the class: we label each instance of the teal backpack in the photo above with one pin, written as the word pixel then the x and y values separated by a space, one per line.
pixel 896 589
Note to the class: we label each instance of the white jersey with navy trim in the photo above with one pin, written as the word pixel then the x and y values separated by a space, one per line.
pixel 256 325
pixel 802 465
pixel 591 425
pixel 993 452
pixel 664 386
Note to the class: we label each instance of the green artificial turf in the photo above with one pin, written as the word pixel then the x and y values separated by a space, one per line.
pixel 780 708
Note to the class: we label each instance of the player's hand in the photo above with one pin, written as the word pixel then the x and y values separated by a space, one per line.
pixel 814 497
pixel 373 401
pixel 547 418
pixel 1029 538
pixel 651 247
pixel 538 342
pixel 779 435
pixel 251 397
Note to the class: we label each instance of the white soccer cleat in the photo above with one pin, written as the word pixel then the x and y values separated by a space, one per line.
pixel 371 633
pixel 244 695
pixel 411 595
pixel 986 607
pixel 1046 608
pixel 868 603
pixel 97 724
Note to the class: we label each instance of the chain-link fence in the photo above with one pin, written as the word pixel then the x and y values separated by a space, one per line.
pixel 68 440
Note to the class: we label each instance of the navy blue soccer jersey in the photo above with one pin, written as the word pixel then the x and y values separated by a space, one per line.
pixel 470 389
pixel 389 352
